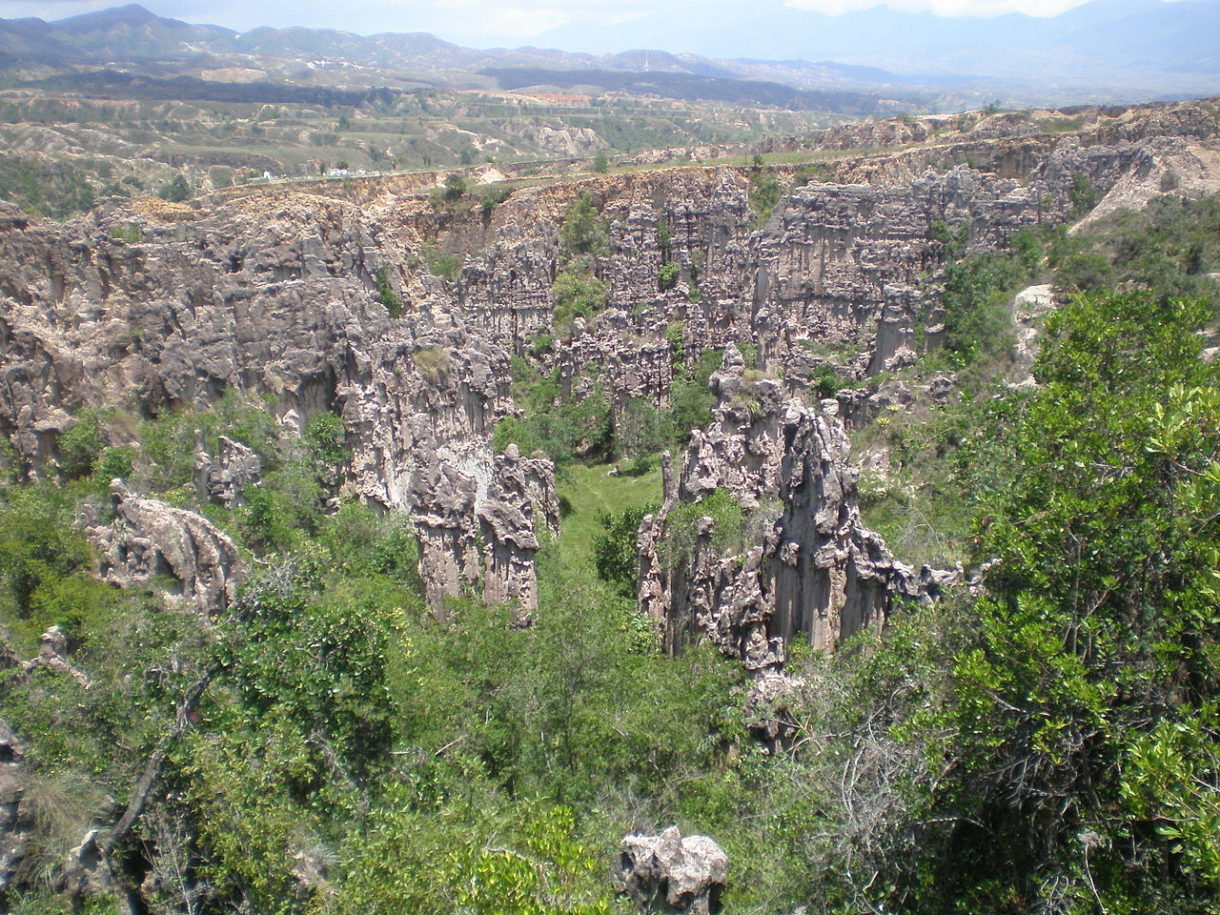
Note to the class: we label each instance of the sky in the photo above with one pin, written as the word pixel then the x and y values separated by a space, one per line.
pixel 479 22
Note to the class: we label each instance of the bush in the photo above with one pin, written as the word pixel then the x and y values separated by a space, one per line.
pixel 577 293
pixel 455 187
pixel 765 192
pixel 583 230
pixel 433 364
pixel 977 317
pixel 80 445
pixel 446 266
pixel 385 292
pixel 614 554
pixel 176 190
pixel 667 278
pixel 681 527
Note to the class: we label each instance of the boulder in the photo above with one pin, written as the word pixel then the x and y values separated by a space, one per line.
pixel 149 537
pixel 672 874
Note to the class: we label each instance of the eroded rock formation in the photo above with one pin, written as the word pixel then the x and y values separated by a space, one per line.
pixel 224 479
pixel 806 565
pixel 149 538
pixel 275 296
pixel 320 296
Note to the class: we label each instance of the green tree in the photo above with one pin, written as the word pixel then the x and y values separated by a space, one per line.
pixel 583 230
pixel 176 190
pixel 614 553
pixel 1094 675
pixel 455 187
pixel 578 293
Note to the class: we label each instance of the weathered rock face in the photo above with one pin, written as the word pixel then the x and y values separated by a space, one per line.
pixel 274 295
pixel 149 537
pixel 849 261
pixel 16 821
pixel 477 516
pixel 224 479
pixel 808 567
pixel 669 873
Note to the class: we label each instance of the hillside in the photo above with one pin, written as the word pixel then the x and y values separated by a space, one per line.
pixel 404 542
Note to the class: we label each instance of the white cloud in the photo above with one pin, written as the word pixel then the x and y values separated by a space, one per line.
pixel 943 7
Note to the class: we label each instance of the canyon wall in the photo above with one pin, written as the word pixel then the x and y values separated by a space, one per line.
pixel 323 297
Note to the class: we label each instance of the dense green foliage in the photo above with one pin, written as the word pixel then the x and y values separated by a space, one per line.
pixel 1073 729
pixel 578 294
pixel 978 289
pixel 176 190
pixel 386 294
pixel 765 191
pixel 1171 247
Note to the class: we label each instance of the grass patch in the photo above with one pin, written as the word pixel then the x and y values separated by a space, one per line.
pixel 585 492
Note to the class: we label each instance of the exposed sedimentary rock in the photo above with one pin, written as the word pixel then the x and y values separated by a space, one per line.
pixel 224 479
pixel 275 290
pixel 53 653
pixel 669 873
pixel 476 517
pixel 148 537
pixel 809 569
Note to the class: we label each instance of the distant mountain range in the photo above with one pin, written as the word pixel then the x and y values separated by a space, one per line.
pixel 1103 42
pixel 1104 49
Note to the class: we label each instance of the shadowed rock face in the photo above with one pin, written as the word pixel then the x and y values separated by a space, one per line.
pixel 16 821
pixel 808 566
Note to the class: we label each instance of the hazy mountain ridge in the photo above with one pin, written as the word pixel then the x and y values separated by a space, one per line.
pixel 1106 48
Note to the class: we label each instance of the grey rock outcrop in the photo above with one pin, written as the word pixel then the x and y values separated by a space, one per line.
pixel 670 873
pixel 224 479
pixel 273 294
pixel 275 290
pixel 807 567
pixel 477 517
pixel 149 537
pixel 53 653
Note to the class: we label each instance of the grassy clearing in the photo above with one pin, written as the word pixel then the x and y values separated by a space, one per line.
pixel 586 492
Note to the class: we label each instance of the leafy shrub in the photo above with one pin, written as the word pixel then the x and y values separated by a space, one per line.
pixel 455 187
pixel 765 192
pixel 578 293
pixel 81 444
pixel 976 295
pixel 325 436
pixel 682 526
pixel 614 549
pixel 130 234
pixel 385 292
pixel 446 266
pixel 1082 194
pixel 667 278
pixel 176 190
pixel 54 189
pixel 583 230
